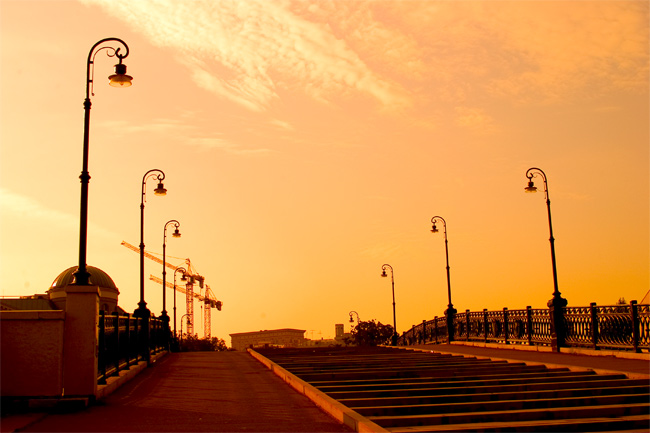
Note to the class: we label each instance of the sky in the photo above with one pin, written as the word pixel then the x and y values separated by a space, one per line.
pixel 307 143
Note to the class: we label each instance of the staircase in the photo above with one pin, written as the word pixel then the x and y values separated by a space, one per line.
pixel 409 391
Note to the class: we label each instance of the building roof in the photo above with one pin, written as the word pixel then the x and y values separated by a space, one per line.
pixel 269 331
pixel 97 277
pixel 35 302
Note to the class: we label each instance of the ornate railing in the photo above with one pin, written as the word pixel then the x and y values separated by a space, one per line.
pixel 617 327
pixel 123 342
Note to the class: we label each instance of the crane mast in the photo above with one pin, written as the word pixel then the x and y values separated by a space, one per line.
pixel 192 277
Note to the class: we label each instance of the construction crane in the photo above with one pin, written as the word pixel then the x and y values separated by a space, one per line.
pixel 208 300
pixel 192 277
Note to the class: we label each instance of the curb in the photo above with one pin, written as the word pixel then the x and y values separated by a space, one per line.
pixel 630 375
pixel 338 411
pixel 114 382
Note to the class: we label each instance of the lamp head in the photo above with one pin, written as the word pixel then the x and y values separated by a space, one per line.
pixel 531 187
pixel 351 319
pixel 434 229
pixel 160 189
pixel 120 78
pixel 176 233
pixel 183 277
pixel 383 273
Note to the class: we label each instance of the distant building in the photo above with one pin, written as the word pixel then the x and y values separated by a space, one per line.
pixel 286 337
pixel 338 331
pixel 55 297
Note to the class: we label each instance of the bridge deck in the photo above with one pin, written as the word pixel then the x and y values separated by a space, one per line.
pixel 231 391
pixel 196 391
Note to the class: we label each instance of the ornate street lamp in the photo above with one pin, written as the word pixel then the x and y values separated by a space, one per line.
pixel 351 319
pixel 119 79
pixel 183 278
pixel 188 324
pixel 176 234
pixel 557 303
pixel 142 310
pixel 392 281
pixel 451 311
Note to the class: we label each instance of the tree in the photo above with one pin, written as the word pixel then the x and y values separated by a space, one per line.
pixel 371 333
pixel 192 343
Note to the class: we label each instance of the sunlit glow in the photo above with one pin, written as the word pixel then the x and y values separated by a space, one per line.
pixel 531 187
pixel 309 142
pixel 120 78
pixel 160 189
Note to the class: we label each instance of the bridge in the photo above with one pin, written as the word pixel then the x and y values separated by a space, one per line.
pixel 443 387
pixel 578 369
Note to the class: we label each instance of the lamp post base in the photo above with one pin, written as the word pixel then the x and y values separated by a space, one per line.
pixel 450 314
pixel 558 328
pixel 142 310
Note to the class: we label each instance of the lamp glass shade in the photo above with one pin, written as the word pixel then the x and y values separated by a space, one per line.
pixel 383 274
pixel 531 187
pixel 176 234
pixel 434 229
pixel 160 189
pixel 120 78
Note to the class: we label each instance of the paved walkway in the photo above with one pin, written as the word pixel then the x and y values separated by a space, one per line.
pixel 198 391
pixel 232 392
pixel 634 366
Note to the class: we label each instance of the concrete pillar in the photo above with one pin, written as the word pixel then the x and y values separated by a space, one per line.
pixel 80 341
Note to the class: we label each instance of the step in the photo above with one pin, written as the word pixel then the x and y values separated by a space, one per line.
pixel 430 372
pixel 628 424
pixel 521 377
pixel 514 405
pixel 452 388
pixel 522 415
pixel 409 399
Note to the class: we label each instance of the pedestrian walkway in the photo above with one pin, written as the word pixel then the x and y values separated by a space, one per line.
pixel 634 365
pixel 197 391
pixel 468 389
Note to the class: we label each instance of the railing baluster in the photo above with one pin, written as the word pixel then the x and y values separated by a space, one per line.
pixel 116 343
pixel 505 325
pixel 102 348
pixel 634 312
pixel 485 324
pixel 594 325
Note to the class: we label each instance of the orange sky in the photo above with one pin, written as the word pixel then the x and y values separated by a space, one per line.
pixel 306 143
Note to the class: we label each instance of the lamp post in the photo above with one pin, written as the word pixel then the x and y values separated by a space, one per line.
pixel 176 234
pixel 183 278
pixel 557 303
pixel 451 311
pixel 142 310
pixel 188 323
pixel 352 320
pixel 119 79
pixel 392 281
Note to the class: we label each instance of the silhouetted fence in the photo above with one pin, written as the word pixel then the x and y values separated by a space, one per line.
pixel 616 327
pixel 124 340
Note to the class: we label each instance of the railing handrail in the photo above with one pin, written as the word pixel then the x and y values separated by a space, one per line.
pixel 614 327
pixel 122 342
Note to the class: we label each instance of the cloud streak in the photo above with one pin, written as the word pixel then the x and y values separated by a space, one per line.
pixel 533 52
pixel 26 207
pixel 245 51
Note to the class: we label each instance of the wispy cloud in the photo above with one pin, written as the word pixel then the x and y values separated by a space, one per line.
pixel 178 131
pixel 247 50
pixel 399 53
pixel 30 209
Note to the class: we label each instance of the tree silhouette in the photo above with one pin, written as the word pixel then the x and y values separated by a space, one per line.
pixel 371 333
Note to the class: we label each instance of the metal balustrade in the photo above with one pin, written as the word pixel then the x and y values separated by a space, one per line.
pixel 611 327
pixel 123 340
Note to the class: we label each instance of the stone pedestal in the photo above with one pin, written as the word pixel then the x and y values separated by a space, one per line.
pixel 80 342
